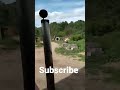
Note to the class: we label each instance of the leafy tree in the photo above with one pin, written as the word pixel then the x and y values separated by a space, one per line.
pixel 76 37
pixel 65 29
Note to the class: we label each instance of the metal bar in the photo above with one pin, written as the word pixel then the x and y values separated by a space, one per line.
pixel 48 53
pixel 25 14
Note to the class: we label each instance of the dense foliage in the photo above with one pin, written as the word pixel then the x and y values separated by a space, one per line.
pixel 102 17
pixel 64 29
pixel 102 27
pixel 75 31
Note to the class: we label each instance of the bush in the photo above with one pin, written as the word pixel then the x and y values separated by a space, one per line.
pixel 76 37
pixel 110 43
pixel 39 44
pixel 61 34
pixel 63 51
pixel 80 44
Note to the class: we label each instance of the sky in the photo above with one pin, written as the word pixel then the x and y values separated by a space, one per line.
pixel 60 10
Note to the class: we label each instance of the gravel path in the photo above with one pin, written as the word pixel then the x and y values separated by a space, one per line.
pixel 10 70
pixel 11 75
pixel 62 81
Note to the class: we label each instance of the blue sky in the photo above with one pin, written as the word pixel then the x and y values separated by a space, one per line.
pixel 60 10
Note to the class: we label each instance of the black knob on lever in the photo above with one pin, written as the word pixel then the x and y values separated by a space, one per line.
pixel 43 13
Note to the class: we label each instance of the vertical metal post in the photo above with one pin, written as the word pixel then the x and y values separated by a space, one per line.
pixel 25 14
pixel 48 53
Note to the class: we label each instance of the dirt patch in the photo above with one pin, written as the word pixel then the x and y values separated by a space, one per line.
pixel 11 70
pixel 62 81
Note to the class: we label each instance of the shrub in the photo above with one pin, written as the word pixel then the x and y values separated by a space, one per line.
pixel 61 34
pixel 76 37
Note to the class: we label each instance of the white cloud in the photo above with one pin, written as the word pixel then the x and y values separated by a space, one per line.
pixel 65 4
pixel 79 11
pixel 73 15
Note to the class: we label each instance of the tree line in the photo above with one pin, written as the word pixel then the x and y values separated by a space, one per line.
pixel 102 17
pixel 65 29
